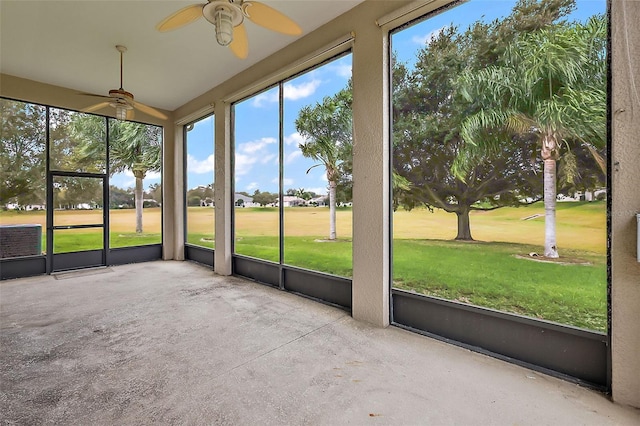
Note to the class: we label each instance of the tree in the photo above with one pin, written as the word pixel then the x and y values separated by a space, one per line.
pixel 427 115
pixel 133 146
pixel 22 153
pixel 550 86
pixel 138 148
pixel 264 198
pixel 155 192
pixel 301 193
pixel 200 196
pixel 120 198
pixel 77 193
pixel 327 131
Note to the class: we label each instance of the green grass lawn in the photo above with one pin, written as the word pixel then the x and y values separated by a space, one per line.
pixel 66 243
pixel 482 274
pixel 303 252
pixel 425 258
pixel 201 239
pixel 490 275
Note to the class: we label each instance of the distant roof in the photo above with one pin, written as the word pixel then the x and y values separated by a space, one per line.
pixel 237 196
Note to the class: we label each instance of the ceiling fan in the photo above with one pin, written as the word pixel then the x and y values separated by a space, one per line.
pixel 227 16
pixel 122 100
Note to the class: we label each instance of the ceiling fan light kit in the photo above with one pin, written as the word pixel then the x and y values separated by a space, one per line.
pixel 227 17
pixel 224 16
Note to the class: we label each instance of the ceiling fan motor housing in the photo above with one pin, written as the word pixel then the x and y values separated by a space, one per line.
pixel 235 10
pixel 224 15
pixel 122 102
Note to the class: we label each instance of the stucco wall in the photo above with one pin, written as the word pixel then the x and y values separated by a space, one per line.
pixel 625 193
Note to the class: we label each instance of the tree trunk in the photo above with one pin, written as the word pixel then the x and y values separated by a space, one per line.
pixel 332 210
pixel 139 200
pixel 550 248
pixel 464 227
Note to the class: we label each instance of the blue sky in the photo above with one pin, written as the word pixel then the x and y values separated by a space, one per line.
pixel 256 128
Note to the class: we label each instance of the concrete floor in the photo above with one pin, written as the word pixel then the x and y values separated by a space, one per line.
pixel 171 343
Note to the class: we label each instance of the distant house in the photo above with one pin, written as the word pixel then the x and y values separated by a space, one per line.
pixel 320 201
pixel 292 201
pixel 597 194
pixel 28 207
pixel 240 200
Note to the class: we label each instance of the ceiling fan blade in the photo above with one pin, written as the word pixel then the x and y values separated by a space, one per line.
pixel 240 44
pixel 180 18
pixel 95 96
pixel 96 107
pixel 268 17
pixel 150 111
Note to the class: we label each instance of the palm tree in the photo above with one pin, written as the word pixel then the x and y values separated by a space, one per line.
pixel 550 87
pixel 327 130
pixel 132 146
pixel 138 148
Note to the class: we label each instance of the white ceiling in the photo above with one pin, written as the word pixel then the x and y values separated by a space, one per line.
pixel 72 44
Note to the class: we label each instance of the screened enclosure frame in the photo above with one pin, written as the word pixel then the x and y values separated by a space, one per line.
pixel 323 287
pixel 203 255
pixel 551 348
pixel 50 262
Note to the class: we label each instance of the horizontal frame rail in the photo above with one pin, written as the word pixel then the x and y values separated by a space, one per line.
pixel 325 288
pixel 568 352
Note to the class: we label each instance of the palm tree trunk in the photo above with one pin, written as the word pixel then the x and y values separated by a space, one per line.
pixel 139 200
pixel 550 248
pixel 332 210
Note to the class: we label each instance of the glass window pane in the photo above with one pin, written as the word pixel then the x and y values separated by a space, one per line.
pixel 200 218
pixel 77 141
pixel 256 156
pixel 22 178
pixel 317 169
pixel 135 185
pixel 499 187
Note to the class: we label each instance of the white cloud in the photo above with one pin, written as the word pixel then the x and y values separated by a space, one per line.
pixel 292 92
pixel 267 97
pixel 300 91
pixel 324 177
pixel 253 152
pixel 293 156
pixel 342 70
pixel 318 190
pixel 269 158
pixel 425 40
pixel 244 163
pixel 200 166
pixel 254 146
pixel 285 181
pixel 294 138
pixel 251 186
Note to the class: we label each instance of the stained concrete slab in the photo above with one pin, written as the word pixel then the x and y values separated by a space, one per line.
pixel 172 343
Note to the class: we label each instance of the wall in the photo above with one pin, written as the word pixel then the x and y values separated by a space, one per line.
pixel 625 194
